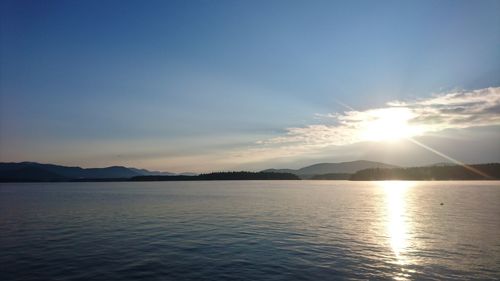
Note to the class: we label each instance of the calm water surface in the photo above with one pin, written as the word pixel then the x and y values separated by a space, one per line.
pixel 250 230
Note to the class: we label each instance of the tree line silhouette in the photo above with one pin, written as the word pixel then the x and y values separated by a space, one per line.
pixel 486 171
pixel 221 176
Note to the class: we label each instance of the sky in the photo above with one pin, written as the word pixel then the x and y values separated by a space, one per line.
pixel 248 85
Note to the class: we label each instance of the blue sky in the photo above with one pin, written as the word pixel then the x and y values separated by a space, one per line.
pixel 176 85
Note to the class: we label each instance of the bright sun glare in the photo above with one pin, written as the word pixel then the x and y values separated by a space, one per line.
pixel 388 124
pixel 397 225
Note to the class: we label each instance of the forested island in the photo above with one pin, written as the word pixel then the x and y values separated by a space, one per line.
pixel 221 176
pixel 456 172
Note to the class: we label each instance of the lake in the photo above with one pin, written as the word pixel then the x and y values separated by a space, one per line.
pixel 250 230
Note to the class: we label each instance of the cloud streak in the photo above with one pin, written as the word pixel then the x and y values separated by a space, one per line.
pixel 453 110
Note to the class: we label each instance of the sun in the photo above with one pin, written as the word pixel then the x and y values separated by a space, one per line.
pixel 388 124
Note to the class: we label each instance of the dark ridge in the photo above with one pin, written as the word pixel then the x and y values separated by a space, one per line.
pixel 431 173
pixel 30 174
pixel 38 172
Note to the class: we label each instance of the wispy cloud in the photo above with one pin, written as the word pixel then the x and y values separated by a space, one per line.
pixel 455 110
pixel 458 110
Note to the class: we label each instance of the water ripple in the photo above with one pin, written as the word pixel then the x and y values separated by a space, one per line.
pixel 258 230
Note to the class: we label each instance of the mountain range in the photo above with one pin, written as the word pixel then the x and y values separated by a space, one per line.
pixel 32 171
pixel 343 168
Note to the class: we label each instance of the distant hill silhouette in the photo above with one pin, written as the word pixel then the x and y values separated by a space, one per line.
pixel 221 176
pixel 150 173
pixel 31 171
pixel 333 168
pixel 430 173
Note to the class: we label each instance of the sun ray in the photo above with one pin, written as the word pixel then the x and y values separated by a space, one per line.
pixel 472 169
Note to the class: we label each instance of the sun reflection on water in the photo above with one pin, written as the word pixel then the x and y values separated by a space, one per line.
pixel 397 225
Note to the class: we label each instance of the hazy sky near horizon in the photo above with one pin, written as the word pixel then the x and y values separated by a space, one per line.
pixel 219 85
